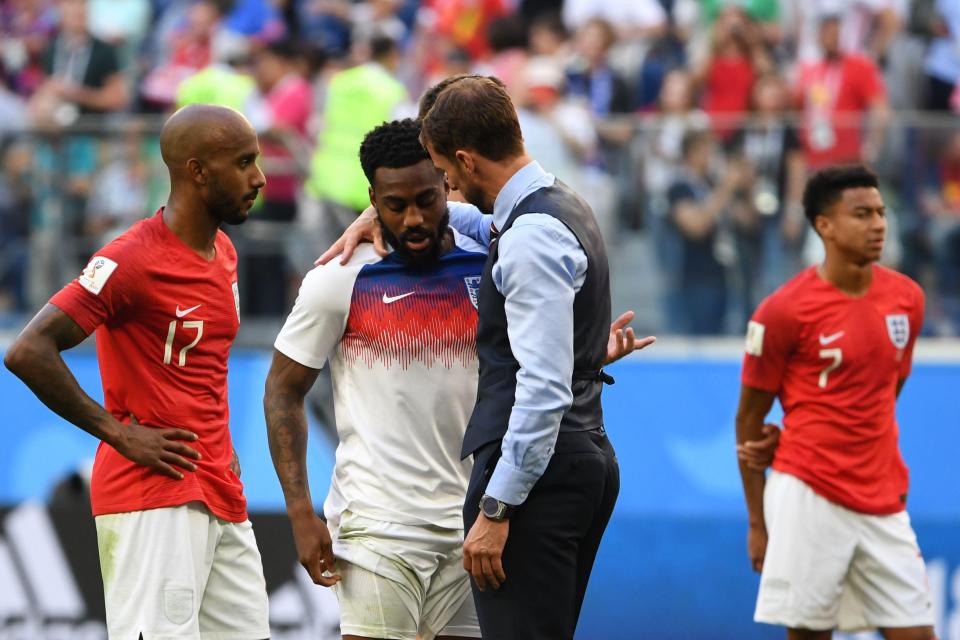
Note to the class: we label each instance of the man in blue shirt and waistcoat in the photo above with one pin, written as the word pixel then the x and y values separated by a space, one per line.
pixel 545 476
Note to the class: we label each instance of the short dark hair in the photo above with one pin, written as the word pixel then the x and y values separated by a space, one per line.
pixel 507 32
pixel 551 21
pixel 289 50
pixel 826 187
pixel 381 46
pixel 476 114
pixel 393 145
pixel 429 96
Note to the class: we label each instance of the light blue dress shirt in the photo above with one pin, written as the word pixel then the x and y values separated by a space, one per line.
pixel 540 268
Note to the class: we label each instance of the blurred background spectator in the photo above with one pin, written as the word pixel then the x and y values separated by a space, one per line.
pixel 838 93
pixel 700 212
pixel 280 110
pixel 942 64
pixel 689 125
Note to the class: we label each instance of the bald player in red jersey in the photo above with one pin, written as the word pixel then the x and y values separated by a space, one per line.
pixel 177 551
pixel 828 529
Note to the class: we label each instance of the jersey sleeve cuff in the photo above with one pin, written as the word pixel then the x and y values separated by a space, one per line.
pixel 87 320
pixel 509 484
pixel 299 355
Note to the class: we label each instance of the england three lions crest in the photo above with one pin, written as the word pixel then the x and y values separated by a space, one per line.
pixel 473 288
pixel 898 328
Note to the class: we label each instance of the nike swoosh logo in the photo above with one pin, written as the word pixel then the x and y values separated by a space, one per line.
pixel 388 299
pixel 825 340
pixel 183 312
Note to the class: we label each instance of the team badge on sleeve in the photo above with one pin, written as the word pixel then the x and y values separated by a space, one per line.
pixel 473 288
pixel 755 331
pixel 96 274
pixel 898 328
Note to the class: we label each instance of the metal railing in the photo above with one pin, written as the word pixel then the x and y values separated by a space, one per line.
pixel 65 192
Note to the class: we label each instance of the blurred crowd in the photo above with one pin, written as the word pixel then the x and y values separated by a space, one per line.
pixel 690 123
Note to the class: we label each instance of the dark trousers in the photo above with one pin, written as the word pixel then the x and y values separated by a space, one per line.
pixel 553 539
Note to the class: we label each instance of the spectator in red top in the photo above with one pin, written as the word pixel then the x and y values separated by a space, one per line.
pixel 191 49
pixel 835 93
pixel 465 22
pixel 737 56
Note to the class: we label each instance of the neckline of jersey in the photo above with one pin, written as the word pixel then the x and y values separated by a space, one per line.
pixel 175 240
pixel 837 290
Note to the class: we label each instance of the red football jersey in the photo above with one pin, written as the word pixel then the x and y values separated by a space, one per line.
pixel 835 361
pixel 165 319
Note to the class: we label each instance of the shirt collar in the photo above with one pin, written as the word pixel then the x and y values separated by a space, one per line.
pixel 520 184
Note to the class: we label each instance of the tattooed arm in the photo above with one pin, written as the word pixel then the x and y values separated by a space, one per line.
pixel 34 357
pixel 283 405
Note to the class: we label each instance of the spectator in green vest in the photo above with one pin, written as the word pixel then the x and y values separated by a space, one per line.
pixel 226 81
pixel 358 99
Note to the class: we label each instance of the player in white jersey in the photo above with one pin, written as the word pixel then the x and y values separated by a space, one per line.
pixel 399 333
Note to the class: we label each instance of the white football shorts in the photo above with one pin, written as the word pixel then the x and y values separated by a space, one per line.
pixel 181 572
pixel 401 581
pixel 828 567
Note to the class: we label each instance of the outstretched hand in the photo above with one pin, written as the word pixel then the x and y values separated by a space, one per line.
pixel 365 228
pixel 159 449
pixel 623 341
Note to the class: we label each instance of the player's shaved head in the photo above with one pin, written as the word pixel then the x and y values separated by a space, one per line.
pixel 201 131
pixel 211 153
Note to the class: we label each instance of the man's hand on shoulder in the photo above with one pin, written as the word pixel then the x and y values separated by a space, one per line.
pixel 314 547
pixel 365 228
pixel 758 454
pixel 623 341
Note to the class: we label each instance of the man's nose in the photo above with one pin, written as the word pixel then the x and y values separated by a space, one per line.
pixel 413 218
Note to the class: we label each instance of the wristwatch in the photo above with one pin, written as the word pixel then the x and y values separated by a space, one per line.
pixel 495 509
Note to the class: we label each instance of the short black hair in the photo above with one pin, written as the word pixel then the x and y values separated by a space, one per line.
pixel 507 32
pixel 826 187
pixel 382 45
pixel 288 50
pixel 393 145
pixel 551 21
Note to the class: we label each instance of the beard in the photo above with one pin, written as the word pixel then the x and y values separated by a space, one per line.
pixel 476 197
pixel 419 259
pixel 225 207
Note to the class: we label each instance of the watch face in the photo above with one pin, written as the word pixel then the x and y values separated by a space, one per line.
pixel 490 507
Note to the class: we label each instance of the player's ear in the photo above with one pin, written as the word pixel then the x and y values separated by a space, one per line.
pixel 823 225
pixel 466 160
pixel 373 197
pixel 196 171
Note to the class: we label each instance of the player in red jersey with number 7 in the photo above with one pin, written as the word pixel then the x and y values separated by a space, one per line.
pixel 177 552
pixel 828 528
